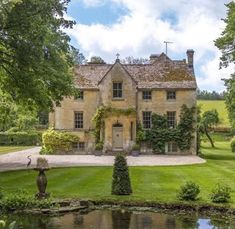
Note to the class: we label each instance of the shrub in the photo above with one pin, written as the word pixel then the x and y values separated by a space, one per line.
pixel 189 191
pixel 136 147
pixel 99 146
pixel 21 199
pixel 233 144
pixel 55 141
pixel 1 193
pixel 19 138
pixel 220 194
pixel 121 184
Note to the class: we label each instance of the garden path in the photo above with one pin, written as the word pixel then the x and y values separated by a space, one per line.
pixel 19 160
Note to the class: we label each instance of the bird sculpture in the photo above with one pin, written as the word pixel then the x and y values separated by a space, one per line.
pixel 29 163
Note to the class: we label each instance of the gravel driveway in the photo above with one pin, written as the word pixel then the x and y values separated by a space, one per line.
pixel 18 160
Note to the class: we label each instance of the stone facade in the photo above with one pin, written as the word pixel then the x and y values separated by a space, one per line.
pixel 122 86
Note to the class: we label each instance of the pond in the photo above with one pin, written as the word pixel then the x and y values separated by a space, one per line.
pixel 119 219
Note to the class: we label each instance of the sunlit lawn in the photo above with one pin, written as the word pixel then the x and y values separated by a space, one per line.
pixel 10 149
pixel 149 183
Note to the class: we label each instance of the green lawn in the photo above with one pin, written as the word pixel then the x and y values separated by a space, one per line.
pixel 149 183
pixel 219 105
pixel 10 149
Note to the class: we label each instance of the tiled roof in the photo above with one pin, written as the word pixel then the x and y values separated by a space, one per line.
pixel 160 73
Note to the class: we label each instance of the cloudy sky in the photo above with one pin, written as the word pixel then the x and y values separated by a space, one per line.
pixel 139 28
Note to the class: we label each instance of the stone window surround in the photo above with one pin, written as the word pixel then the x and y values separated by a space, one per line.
pixel 171 119
pixel 171 95
pixel 171 147
pixel 116 92
pixel 78 119
pixel 146 119
pixel 147 95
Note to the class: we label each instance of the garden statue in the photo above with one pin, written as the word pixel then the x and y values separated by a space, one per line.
pixel 42 166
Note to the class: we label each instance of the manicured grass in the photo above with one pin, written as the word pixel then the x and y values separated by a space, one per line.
pixel 10 149
pixel 220 106
pixel 149 183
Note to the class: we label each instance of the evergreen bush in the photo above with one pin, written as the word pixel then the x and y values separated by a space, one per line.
pixel 121 184
pixel 189 191
pixel 220 194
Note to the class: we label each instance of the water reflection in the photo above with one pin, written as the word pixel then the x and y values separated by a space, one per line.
pixel 116 219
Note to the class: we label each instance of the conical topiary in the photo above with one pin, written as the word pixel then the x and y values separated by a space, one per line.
pixel 121 184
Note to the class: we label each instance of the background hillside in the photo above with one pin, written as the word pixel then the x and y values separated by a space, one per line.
pixel 220 106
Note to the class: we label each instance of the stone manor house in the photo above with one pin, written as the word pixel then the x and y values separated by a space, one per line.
pixel 162 86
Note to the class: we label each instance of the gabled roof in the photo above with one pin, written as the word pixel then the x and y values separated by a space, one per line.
pixel 162 72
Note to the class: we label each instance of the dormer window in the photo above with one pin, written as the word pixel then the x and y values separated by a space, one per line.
pixel 171 95
pixel 117 90
pixel 147 95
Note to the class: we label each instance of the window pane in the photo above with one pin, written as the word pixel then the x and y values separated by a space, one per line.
pixel 78 120
pixel 117 90
pixel 147 95
pixel 171 95
pixel 171 120
pixel 146 119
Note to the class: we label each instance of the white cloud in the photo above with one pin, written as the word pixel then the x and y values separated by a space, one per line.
pixel 144 28
pixel 93 3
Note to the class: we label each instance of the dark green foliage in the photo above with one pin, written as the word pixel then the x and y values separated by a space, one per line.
pixel 207 95
pixel 188 191
pixel 36 62
pixel 1 193
pixel 225 44
pixel 99 146
pixel 186 127
pixel 121 184
pixel 19 138
pixel 160 134
pixel 230 100
pixel 221 194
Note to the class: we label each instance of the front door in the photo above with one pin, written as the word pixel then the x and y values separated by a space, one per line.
pixel 117 137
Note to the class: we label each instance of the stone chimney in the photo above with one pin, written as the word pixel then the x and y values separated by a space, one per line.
pixel 190 54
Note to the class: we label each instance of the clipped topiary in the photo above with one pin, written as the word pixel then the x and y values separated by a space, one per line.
pixel 121 184
pixel 188 191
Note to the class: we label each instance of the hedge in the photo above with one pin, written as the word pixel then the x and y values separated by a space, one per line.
pixel 19 138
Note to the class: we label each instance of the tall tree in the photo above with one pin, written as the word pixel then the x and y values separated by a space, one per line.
pixel 226 43
pixel 35 58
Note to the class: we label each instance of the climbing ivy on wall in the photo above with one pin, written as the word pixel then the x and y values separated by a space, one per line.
pixel 160 133
pixel 102 113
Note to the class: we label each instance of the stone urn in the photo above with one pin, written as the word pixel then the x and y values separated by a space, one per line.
pixel 42 166
pixel 135 150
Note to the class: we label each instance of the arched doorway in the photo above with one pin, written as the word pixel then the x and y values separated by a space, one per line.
pixel 117 136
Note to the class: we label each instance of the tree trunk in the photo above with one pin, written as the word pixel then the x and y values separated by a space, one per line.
pixel 209 138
